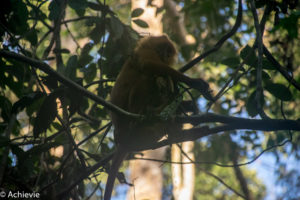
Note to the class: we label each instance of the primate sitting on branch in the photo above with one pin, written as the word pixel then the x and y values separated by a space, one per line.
pixel 146 85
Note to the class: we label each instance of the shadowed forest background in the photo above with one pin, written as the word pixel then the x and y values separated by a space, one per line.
pixel 59 60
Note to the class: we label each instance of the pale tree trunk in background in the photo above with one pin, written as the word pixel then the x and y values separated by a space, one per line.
pixel 183 176
pixel 147 176
pixel 175 22
pixel 153 20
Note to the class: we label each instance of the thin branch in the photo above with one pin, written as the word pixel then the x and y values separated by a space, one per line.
pixel 68 132
pixel 79 18
pixel 232 123
pixel 240 176
pixel 281 69
pixel 235 75
pixel 196 133
pixel 259 42
pixel 99 82
pixel 225 184
pixel 72 36
pixel 56 34
pixel 5 152
pixel 216 163
pixel 219 44
pixel 212 175
pixel 67 82
pixel 101 7
pixel 85 174
pixel 108 125
pixel 263 124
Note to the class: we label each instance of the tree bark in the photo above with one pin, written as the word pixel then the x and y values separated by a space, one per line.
pixel 183 176
pixel 147 176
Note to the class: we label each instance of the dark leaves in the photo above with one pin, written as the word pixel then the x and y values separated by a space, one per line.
pixel 46 114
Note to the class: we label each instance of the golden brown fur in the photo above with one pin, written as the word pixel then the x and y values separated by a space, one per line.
pixel 145 85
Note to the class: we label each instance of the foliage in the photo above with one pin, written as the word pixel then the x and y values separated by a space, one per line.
pixel 50 134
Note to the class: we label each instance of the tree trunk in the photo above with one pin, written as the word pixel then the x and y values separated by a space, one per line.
pixel 183 176
pixel 147 176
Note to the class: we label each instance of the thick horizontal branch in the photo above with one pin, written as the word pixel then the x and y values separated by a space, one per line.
pixel 264 125
pixel 229 124
pixel 65 81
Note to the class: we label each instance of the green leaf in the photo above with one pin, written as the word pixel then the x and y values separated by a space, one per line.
pixel 98 31
pixel 57 126
pixel 289 23
pixel 26 101
pixel 251 105
pixel 249 56
pixel 50 82
pixel 54 9
pixel 46 115
pixel 66 51
pixel 79 6
pixel 267 64
pixel 75 100
pixel 141 23
pixel 18 18
pixel 280 91
pixel 84 57
pixel 31 36
pixel 265 76
pixel 25 164
pixel 4 141
pixel 34 107
pixel 94 156
pixel 117 27
pixel 270 142
pixel 280 137
pixel 232 62
pixel 37 150
pixel 5 108
pixel 71 67
pixel 137 12
pixel 90 72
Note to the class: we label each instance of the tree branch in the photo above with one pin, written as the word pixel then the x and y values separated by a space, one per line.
pixel 230 124
pixel 277 65
pixel 67 82
pixel 259 41
pixel 219 44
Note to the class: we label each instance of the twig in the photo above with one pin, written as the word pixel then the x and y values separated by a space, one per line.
pixel 72 36
pixel 67 82
pixel 5 152
pixel 83 176
pixel 281 69
pixel 216 163
pixel 211 174
pixel 219 44
pixel 259 42
pixel 68 132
